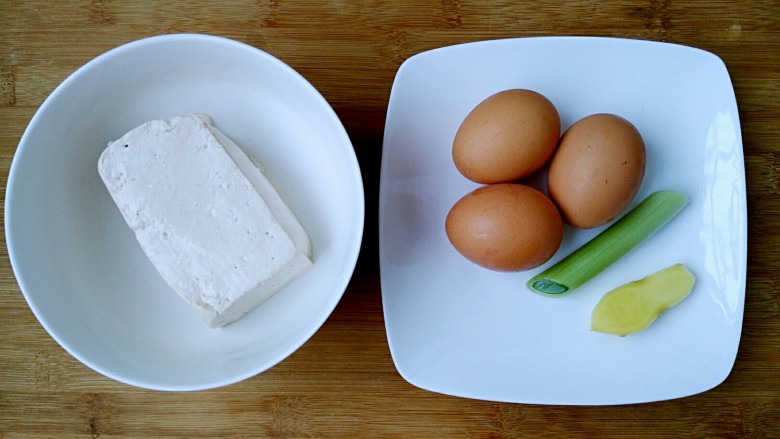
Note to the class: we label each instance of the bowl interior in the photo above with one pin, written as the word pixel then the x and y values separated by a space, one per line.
pixel 78 264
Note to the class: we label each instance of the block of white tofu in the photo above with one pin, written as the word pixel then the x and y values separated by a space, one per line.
pixel 208 219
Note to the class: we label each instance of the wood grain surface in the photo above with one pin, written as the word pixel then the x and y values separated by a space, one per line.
pixel 342 382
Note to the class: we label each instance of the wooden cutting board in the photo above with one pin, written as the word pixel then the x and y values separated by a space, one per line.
pixel 342 382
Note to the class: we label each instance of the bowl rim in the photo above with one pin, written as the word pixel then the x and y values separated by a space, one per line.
pixel 11 198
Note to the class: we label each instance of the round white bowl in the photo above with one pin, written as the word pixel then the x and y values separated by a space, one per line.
pixel 78 264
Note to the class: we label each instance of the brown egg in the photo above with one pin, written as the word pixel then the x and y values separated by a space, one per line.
pixel 596 170
pixel 506 137
pixel 505 227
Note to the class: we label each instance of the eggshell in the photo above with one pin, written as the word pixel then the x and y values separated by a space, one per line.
pixel 506 137
pixel 596 170
pixel 505 227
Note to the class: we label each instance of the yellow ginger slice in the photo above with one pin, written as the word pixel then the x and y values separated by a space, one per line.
pixel 634 306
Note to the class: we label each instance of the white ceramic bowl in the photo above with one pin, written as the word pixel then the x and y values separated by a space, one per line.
pixel 79 266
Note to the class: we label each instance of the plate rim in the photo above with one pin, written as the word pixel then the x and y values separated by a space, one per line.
pixel 409 64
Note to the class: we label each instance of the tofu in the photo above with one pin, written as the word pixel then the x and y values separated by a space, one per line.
pixel 204 214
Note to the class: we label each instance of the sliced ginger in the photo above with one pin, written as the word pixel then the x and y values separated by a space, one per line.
pixel 634 306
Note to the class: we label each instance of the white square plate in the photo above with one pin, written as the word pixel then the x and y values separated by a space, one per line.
pixel 459 329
